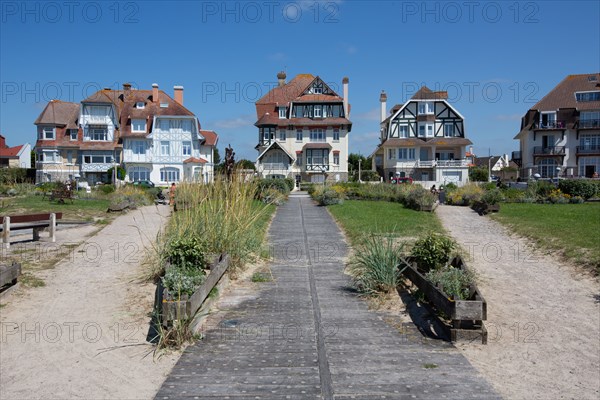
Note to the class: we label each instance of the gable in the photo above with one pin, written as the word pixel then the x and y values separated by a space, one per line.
pixel 317 86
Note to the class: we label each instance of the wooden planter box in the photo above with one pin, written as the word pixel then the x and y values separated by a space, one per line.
pixel 9 274
pixel 178 308
pixel 430 208
pixel 483 208
pixel 467 315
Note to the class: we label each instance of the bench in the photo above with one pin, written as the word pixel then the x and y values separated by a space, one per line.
pixel 37 222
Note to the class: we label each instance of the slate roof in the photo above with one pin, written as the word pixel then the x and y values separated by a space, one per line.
pixel 563 95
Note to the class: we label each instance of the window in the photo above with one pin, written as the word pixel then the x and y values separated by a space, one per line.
pixel 299 159
pixel 164 105
pixel 165 148
pixel 448 130
pixel 425 129
pixel 336 158
pixel 267 134
pixel 547 168
pixel 138 174
pixel 317 157
pixel 391 154
pixel 169 174
pixel 186 126
pixel 317 111
pixel 406 153
pixel 138 147
pixel 140 105
pixel 50 156
pixel 73 134
pixel 69 157
pixel 138 125
pixel 317 135
pixel 186 148
pixel 98 159
pixel 47 133
pixel 164 125
pixel 403 131
pixel 97 133
pixel 589 119
pixel 282 135
pixel 336 135
pixel 587 96
pixel 548 120
pixel 282 112
pixel 426 107
pixel 299 135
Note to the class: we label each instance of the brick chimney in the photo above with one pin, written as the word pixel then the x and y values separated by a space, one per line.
pixel 155 99
pixel 345 82
pixel 383 101
pixel 178 90
pixel 281 78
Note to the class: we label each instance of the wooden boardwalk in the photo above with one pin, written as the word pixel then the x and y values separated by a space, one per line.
pixel 309 336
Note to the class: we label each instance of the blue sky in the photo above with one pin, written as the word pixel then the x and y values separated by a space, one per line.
pixel 496 59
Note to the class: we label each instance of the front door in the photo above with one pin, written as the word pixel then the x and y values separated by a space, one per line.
pixel 589 171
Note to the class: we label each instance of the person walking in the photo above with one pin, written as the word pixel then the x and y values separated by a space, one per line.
pixel 172 194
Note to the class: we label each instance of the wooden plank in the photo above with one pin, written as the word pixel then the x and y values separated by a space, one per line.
pixel 211 281
pixel 9 273
pixel 468 309
pixel 438 298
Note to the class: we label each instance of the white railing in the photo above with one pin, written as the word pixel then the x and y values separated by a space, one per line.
pixel 275 166
pixel 425 164
pixel 96 119
pixel 452 163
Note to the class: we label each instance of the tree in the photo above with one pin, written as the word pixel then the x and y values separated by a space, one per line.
pixel 217 157
pixel 478 174
pixel 33 156
pixel 245 164
pixel 353 162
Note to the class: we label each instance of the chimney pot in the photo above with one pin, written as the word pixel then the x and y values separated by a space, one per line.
pixel 126 86
pixel 383 100
pixel 345 81
pixel 178 91
pixel 281 78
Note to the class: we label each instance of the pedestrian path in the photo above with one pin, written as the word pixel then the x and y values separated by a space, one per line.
pixel 307 335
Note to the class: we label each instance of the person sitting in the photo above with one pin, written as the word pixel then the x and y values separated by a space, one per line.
pixel 433 190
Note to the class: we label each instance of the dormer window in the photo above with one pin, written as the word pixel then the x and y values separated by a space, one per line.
pixel 426 107
pixel 587 96
pixel 73 134
pixel 140 105
pixel 282 113
pixel 47 133
pixel 138 125
pixel 164 105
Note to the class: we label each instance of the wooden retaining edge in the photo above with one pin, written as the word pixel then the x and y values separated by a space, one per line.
pixel 9 273
pixel 185 309
pixel 204 311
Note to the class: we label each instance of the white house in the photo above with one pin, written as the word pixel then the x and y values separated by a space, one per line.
pixel 423 139
pixel 16 156
pixel 303 130
pixel 560 134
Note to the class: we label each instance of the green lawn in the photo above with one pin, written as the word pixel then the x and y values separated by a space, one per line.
pixel 360 217
pixel 573 229
pixel 79 210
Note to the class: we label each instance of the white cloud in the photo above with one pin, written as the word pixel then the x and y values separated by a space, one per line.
pixel 235 123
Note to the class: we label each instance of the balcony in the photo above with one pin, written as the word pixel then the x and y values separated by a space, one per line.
pixel 275 166
pixel 317 167
pixel 588 149
pixel 96 120
pixel 589 124
pixel 551 125
pixel 549 151
pixel 452 163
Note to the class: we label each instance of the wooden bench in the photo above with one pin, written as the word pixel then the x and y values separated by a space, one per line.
pixel 37 222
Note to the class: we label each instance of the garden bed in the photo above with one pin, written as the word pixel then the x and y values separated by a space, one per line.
pixel 9 274
pixel 483 208
pixel 175 307
pixel 466 316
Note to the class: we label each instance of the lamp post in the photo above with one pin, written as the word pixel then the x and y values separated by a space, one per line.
pixel 359 170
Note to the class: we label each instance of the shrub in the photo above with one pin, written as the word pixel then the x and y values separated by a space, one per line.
pixel 374 268
pixel 182 282
pixel 187 253
pixel 419 197
pixel 450 187
pixel 369 176
pixel 271 196
pixel 107 189
pixel 514 195
pixel 478 174
pixel 433 251
pixel 578 187
pixel 541 189
pixel 453 281
pixel 576 200
pixel 465 195
pixel 493 196
pixel 291 184
pixel 558 197
pixel 278 184
pixel 130 196
pixel 328 197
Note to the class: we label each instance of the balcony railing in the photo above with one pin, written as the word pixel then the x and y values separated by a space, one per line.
pixel 589 123
pixel 97 119
pixel 452 163
pixel 551 125
pixel 589 149
pixel 549 150
pixel 275 166
pixel 317 167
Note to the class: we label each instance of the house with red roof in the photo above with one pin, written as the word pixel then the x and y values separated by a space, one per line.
pixel 303 130
pixel 16 156
pixel 423 139
pixel 560 134
pixel 151 134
